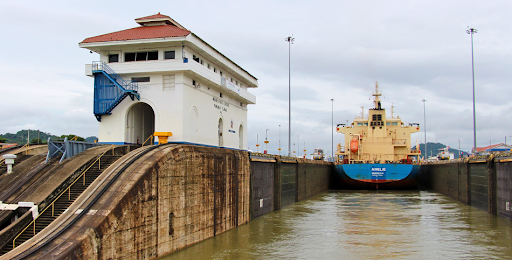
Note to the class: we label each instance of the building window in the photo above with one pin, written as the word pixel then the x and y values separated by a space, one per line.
pixel 231 80
pixel 129 56
pixel 208 65
pixel 194 57
pixel 113 58
pixel 141 56
pixel 193 82
pixel 140 79
pixel 220 94
pixel 153 55
pixel 215 70
pixel 169 55
pixel 220 73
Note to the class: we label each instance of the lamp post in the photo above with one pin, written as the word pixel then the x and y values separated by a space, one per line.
pixel 298 146
pixel 332 127
pixel 279 149
pixel 473 31
pixel 266 140
pixel 425 126
pixel 290 41
pixel 506 141
pixel 257 144
pixel 459 147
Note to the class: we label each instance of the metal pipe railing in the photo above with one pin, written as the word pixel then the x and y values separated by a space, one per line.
pixel 17 151
pixel 151 136
pixel 68 189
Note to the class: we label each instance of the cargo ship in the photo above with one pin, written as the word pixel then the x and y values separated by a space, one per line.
pixel 377 151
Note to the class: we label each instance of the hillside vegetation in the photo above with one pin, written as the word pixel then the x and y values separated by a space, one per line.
pixel 433 149
pixel 37 136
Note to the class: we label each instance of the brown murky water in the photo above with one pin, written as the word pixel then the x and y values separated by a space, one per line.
pixel 365 225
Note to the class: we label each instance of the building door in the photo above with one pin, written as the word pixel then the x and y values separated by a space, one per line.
pixel 140 123
pixel 220 129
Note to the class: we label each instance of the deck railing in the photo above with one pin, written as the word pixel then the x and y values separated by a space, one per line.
pixel 68 189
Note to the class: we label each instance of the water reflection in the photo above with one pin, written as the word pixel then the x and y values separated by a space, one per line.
pixel 364 225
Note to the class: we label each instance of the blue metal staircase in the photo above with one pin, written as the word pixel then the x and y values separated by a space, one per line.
pixel 110 89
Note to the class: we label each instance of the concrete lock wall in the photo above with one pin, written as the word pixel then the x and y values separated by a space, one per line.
pixel 313 177
pixel 504 189
pixel 184 195
pixel 179 195
pixel 262 188
pixel 484 184
pixel 278 181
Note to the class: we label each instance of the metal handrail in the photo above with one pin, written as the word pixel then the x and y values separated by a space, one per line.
pixel 19 149
pixel 100 65
pixel 151 136
pixel 60 195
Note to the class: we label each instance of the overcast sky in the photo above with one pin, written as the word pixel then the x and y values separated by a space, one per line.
pixel 415 50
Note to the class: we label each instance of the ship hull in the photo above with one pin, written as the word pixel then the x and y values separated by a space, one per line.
pixel 377 176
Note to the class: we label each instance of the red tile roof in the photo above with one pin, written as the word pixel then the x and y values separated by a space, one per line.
pixel 138 33
pixel 153 17
pixel 483 149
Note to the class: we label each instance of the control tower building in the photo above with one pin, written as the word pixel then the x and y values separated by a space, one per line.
pixel 161 77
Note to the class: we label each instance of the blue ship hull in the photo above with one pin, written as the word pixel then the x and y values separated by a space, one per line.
pixel 377 176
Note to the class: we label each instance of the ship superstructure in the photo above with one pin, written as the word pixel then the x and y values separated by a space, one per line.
pixel 376 138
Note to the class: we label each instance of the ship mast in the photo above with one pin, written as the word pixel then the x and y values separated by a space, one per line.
pixel 377 95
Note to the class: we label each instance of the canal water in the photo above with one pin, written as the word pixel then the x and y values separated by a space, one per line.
pixel 364 225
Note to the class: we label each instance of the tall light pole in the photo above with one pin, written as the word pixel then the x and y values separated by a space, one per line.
pixel 332 127
pixel 473 31
pixel 425 126
pixel 290 41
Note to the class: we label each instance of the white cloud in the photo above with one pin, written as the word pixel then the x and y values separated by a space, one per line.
pixel 415 49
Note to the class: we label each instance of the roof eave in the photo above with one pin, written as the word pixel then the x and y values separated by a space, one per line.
pixel 88 45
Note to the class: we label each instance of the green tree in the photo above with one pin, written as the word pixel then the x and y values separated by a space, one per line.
pixel 37 141
pixel 73 137
pixel 3 140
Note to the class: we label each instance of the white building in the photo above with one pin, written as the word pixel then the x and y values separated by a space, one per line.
pixel 175 81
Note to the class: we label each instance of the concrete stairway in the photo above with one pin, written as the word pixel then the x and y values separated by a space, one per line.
pixel 63 202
